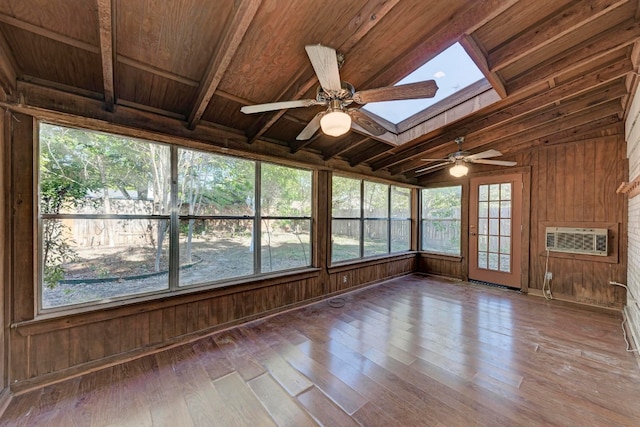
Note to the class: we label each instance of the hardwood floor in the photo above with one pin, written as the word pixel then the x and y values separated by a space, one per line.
pixel 411 351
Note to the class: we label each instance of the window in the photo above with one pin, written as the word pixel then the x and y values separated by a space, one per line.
pixel 368 219
pixel 441 220
pixel 112 224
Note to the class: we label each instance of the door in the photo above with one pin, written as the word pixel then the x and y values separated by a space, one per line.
pixel 495 229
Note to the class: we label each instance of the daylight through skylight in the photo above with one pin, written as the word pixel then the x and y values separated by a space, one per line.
pixel 452 69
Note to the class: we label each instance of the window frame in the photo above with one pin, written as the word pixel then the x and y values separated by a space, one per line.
pixel 362 219
pixel 174 217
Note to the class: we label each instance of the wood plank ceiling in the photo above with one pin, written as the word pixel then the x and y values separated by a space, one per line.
pixel 556 70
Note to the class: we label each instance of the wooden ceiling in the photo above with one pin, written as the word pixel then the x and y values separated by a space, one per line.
pixel 556 71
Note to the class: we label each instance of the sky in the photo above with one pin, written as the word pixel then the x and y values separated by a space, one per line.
pixel 452 70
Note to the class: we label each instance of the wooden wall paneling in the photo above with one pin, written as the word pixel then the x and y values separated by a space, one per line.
pixel 549 192
pixel 156 327
pixel 602 156
pixel 23 211
pixel 19 352
pixel 79 337
pixel 5 244
pixel 115 331
pixel 525 258
pixel 535 208
pixel 588 181
pixel 192 314
pixel 579 196
pixel 203 315
pixel 180 320
pixel 97 332
pixel 60 357
pixel 569 181
pixel 168 323
pixel 40 344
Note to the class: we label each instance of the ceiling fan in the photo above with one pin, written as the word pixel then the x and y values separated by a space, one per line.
pixel 459 158
pixel 337 95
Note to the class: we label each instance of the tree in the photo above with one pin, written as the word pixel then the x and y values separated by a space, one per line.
pixel 63 185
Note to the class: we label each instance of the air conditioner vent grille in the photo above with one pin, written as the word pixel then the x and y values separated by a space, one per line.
pixel 592 241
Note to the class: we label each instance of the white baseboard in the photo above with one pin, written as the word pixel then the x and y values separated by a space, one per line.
pixel 632 314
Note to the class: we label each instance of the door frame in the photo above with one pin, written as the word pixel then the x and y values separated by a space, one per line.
pixel 525 171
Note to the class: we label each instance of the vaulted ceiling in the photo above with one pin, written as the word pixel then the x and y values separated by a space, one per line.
pixel 555 70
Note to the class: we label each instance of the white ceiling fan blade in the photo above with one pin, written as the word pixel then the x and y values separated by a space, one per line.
pixel 493 162
pixel 325 64
pixel 311 128
pixel 261 108
pixel 418 90
pixel 484 155
pixel 433 160
pixel 433 167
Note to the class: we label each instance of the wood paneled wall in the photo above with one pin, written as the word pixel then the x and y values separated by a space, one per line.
pixel 575 185
pixel 572 185
pixel 51 348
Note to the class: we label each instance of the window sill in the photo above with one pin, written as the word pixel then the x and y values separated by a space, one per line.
pixel 363 262
pixel 60 318
pixel 445 257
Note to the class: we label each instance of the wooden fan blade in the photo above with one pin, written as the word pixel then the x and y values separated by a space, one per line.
pixel 261 108
pixel 426 89
pixel 493 162
pixel 433 160
pixel 311 128
pixel 483 155
pixel 325 64
pixel 433 167
pixel 366 122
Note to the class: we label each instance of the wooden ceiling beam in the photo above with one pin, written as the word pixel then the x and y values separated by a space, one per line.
pixel 370 14
pixel 511 112
pixel 473 49
pixel 592 114
pixel 34 29
pixel 243 14
pixel 365 155
pixel 107 37
pixel 544 33
pixel 8 67
pixel 589 50
pixel 612 91
pixel 543 135
pixel 156 71
pixel 342 146
pixel 577 134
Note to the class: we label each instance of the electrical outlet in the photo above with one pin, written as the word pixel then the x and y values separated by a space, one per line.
pixel 549 275
pixel 344 279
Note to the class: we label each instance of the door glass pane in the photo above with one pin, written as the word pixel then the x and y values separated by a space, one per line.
pixel 483 193
pixel 505 227
pixel 505 265
pixel 483 243
pixel 494 192
pixel 482 260
pixel 483 209
pixel 505 191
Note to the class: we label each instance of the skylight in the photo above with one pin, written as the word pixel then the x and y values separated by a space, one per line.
pixel 452 69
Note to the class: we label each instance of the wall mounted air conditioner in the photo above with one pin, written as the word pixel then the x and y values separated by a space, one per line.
pixel 590 241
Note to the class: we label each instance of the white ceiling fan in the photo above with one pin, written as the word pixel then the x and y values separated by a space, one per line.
pixel 459 158
pixel 337 95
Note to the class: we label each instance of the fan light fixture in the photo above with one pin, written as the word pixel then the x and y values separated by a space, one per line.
pixel 335 123
pixel 459 169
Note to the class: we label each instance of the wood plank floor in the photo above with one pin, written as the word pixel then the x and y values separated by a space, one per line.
pixel 411 351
